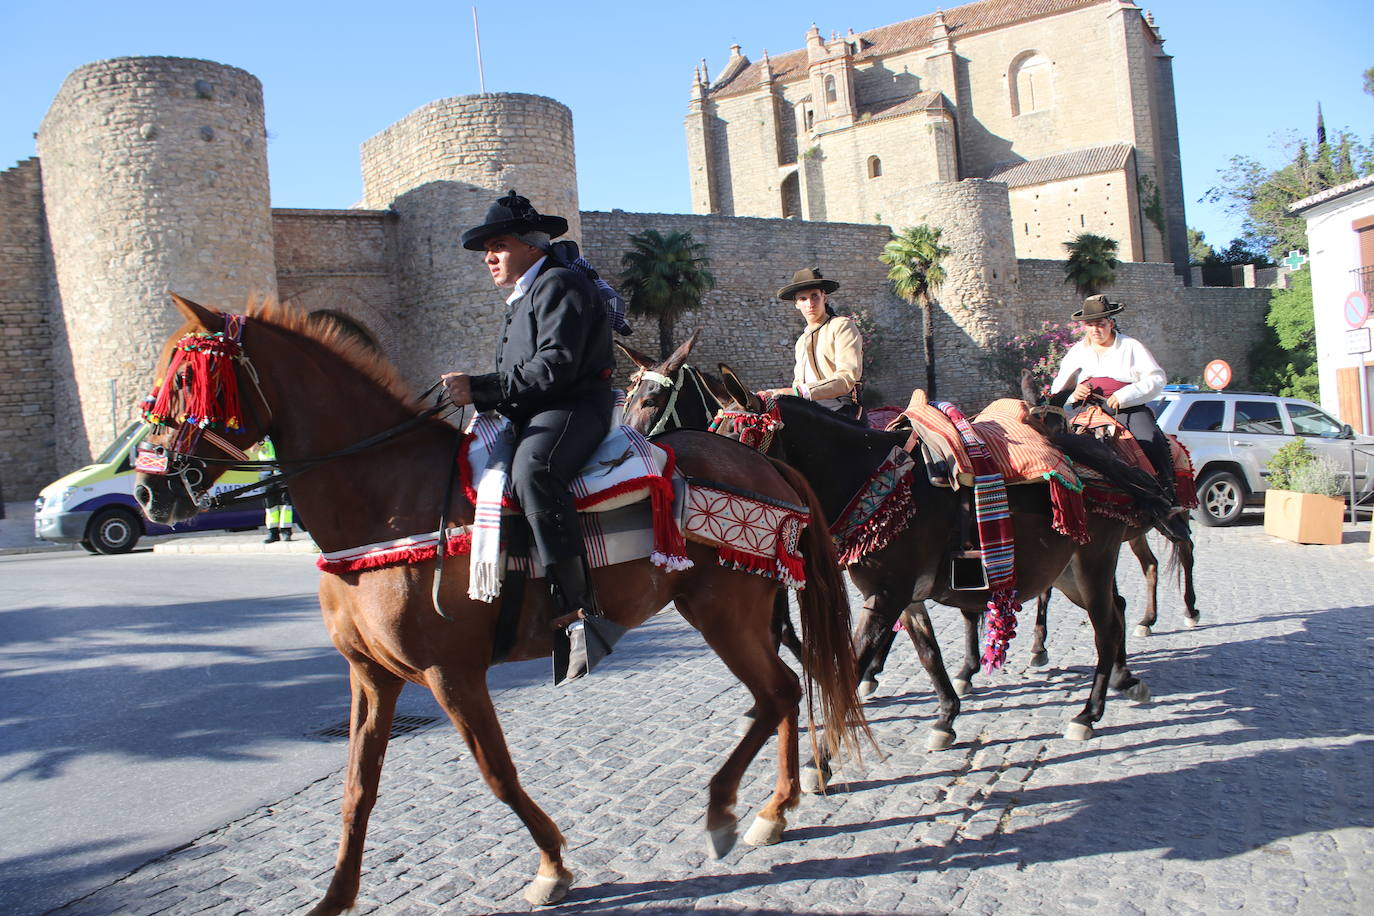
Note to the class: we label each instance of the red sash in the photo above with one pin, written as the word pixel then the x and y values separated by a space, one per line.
pixel 1104 386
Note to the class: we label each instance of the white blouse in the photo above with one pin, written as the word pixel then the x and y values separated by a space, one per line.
pixel 1126 360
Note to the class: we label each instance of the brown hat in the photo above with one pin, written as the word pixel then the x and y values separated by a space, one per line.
pixel 807 278
pixel 1098 306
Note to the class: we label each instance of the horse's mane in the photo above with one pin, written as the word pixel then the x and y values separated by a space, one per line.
pixel 339 342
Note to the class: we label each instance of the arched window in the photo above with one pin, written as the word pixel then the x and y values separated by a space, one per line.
pixel 875 167
pixel 830 94
pixel 1028 80
pixel 810 119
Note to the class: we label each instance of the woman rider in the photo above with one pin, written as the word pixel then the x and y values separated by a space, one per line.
pixel 830 352
pixel 1122 373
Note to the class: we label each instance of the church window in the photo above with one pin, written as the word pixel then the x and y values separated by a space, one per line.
pixel 875 167
pixel 810 119
pixel 1028 80
pixel 830 94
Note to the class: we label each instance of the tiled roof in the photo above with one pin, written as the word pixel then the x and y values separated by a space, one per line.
pixel 1064 165
pixel 1339 190
pixel 921 101
pixel 904 36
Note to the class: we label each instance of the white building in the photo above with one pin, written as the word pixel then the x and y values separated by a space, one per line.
pixel 1340 235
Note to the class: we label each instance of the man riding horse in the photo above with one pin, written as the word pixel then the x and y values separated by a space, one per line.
pixel 552 381
pixel 830 351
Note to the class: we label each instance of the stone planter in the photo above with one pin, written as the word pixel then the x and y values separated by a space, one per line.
pixel 1304 518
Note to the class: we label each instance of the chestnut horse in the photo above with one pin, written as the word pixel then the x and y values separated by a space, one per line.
pixel 318 395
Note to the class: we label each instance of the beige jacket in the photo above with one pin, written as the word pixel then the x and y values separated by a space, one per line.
pixel 839 361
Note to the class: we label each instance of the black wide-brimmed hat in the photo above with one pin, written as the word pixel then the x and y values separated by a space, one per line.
pixel 807 278
pixel 513 215
pixel 1098 306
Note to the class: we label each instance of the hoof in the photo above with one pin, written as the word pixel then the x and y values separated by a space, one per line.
pixel 1192 622
pixel 1040 659
pixel 546 891
pixel 815 780
pixel 867 687
pixel 962 687
pixel 1077 731
pixel 743 724
pixel 721 840
pixel 1142 630
pixel 764 832
pixel 1139 692
pixel 940 739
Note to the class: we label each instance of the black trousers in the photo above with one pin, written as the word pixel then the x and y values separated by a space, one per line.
pixel 1140 421
pixel 552 446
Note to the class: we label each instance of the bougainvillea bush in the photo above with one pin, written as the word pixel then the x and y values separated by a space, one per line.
pixel 1040 350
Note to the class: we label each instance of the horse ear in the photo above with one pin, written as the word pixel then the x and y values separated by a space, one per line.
pixel 737 390
pixel 207 318
pixel 639 359
pixel 716 389
pixel 680 355
pixel 1028 388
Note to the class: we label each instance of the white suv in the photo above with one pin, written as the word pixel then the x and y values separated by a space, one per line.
pixel 1231 435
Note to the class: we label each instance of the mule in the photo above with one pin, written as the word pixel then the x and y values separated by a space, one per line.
pixel 315 393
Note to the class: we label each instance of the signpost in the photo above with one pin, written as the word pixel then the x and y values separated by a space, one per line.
pixel 1357 344
pixel 1217 375
pixel 1356 309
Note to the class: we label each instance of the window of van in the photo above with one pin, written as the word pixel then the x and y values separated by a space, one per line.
pixel 1309 421
pixel 1258 417
pixel 1204 416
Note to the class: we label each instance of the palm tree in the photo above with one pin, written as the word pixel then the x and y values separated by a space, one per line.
pixel 664 276
pixel 1092 263
pixel 913 259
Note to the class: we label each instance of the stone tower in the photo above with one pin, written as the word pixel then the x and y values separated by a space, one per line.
pixel 154 179
pixel 439 169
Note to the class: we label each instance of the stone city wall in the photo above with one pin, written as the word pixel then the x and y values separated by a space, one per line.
pixel 26 364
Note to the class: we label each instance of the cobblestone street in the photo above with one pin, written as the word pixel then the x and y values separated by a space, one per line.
pixel 1244 785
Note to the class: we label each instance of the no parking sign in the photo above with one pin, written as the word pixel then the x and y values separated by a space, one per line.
pixel 1217 375
pixel 1356 309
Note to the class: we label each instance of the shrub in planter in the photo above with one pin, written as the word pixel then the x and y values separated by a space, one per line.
pixel 1303 501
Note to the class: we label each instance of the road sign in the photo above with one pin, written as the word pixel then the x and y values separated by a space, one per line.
pixel 1295 260
pixel 1357 341
pixel 1217 375
pixel 1356 309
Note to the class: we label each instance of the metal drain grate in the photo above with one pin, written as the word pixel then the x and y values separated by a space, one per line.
pixel 399 726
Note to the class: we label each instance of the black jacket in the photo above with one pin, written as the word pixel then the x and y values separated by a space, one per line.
pixel 555 348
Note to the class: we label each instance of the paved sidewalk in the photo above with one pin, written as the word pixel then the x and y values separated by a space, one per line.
pixel 1245 785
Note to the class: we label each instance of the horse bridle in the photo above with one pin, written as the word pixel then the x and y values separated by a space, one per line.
pixel 755 429
pixel 178 459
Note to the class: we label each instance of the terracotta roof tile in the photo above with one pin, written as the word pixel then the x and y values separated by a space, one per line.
pixel 1064 165
pixel 1339 190
pixel 905 36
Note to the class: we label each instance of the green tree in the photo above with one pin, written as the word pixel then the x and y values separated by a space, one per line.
pixel 1369 81
pixel 1260 196
pixel 1198 248
pixel 1092 263
pixel 1285 360
pixel 913 257
pixel 664 276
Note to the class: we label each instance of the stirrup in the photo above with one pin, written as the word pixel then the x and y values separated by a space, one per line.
pixel 581 647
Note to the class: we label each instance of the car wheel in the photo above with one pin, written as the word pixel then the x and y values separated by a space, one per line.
pixel 114 531
pixel 1221 498
pixel 88 546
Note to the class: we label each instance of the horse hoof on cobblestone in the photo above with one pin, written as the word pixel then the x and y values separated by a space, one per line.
pixel 722 839
pixel 1142 630
pixel 1192 622
pixel 1139 692
pixel 546 890
pixel 1040 659
pixel 1077 731
pixel 962 687
pixel 940 739
pixel 868 687
pixel 765 832
pixel 815 780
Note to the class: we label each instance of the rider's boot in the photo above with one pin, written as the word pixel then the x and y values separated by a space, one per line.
pixel 273 535
pixel 590 636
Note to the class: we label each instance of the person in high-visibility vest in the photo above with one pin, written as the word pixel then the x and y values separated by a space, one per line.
pixel 279 514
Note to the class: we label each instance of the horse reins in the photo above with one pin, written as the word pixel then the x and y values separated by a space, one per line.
pixel 755 429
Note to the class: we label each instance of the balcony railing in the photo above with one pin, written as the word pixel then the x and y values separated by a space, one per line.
pixel 1362 278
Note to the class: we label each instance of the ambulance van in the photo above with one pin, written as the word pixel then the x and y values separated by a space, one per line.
pixel 95 506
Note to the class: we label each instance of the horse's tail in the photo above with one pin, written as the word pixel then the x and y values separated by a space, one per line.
pixel 827 650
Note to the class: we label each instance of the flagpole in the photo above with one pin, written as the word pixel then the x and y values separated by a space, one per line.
pixel 481 79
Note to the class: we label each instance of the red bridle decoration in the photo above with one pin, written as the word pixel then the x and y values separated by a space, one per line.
pixel 755 430
pixel 203 371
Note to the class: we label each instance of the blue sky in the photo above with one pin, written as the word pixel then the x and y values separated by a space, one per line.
pixel 1247 75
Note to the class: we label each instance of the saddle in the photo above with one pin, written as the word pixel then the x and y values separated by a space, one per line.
pixel 1093 420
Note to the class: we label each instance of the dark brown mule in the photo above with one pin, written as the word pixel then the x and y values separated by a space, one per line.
pixel 318 394
pixel 837 455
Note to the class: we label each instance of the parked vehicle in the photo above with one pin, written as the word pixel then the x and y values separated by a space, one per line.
pixel 95 506
pixel 1231 435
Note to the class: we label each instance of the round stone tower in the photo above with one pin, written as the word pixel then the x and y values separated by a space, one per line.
pixel 439 169
pixel 154 179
